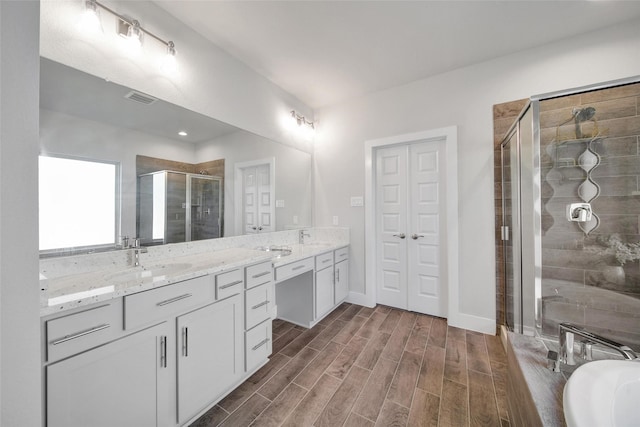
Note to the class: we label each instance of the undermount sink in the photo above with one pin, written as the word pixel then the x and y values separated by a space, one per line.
pixel 142 273
pixel 276 251
pixel 603 393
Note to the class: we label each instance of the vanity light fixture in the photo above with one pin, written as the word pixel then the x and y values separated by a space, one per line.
pixel 301 120
pixel 134 33
pixel 169 63
pixel 128 28
pixel 90 21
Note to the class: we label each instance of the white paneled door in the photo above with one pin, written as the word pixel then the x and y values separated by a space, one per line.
pixel 409 193
pixel 257 195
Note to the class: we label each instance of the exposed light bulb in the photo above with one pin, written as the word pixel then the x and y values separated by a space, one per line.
pixel 183 133
pixel 301 126
pixel 169 64
pixel 90 21
pixel 134 38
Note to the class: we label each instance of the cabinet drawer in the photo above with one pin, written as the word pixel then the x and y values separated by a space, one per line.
pixel 293 269
pixel 324 261
pixel 258 304
pixel 156 305
pixel 78 332
pixel 258 345
pixel 341 254
pixel 259 274
pixel 229 283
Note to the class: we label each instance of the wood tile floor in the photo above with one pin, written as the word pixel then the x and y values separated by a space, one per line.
pixel 372 367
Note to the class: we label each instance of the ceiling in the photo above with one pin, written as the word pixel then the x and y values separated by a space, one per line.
pixel 325 52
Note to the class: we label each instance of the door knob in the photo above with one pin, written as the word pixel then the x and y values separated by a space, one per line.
pixel 401 235
pixel 416 236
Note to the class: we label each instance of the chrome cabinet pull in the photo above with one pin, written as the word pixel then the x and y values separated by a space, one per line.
pixel 297 268
pixel 255 276
pixel 337 275
pixel 81 334
pixel 172 300
pixel 416 236
pixel 260 344
pixel 401 235
pixel 326 261
pixel 163 352
pixel 185 341
pixel 261 304
pixel 237 282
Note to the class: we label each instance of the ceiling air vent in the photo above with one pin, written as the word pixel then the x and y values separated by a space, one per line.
pixel 140 97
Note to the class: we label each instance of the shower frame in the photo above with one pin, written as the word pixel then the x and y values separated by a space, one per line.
pixel 528 195
pixel 187 204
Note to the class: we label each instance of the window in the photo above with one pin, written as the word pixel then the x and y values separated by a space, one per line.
pixel 79 203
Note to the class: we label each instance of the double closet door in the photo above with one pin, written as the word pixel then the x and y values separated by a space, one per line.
pixel 411 227
pixel 258 199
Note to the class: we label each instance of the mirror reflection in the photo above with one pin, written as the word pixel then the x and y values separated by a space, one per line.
pixel 181 176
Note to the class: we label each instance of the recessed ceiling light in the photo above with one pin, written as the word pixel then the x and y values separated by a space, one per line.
pixel 182 133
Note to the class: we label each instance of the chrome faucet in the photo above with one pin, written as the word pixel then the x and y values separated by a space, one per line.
pixel 137 250
pixel 302 234
pixel 567 332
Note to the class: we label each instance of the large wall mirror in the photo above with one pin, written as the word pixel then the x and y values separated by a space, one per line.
pixel 113 163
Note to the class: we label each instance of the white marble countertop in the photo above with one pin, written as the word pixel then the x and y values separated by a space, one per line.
pixel 79 289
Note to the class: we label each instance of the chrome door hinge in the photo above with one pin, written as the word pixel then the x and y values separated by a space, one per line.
pixel 504 232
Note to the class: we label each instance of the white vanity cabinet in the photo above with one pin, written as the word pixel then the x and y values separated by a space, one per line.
pixel 210 354
pixel 341 271
pixel 324 288
pixel 158 357
pixel 259 303
pixel 307 289
pixel 123 383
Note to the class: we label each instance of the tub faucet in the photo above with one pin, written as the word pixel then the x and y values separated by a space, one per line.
pixel 566 334
pixel 302 234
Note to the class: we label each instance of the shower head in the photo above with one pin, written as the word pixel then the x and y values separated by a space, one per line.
pixel 583 114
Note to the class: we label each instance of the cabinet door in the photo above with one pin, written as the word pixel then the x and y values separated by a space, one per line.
pixel 324 291
pixel 210 354
pixel 122 383
pixel 342 281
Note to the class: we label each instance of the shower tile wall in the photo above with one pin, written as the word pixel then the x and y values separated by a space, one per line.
pixel 582 282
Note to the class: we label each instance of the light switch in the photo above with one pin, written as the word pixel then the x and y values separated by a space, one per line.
pixel 357 201
pixel 295 220
pixel 335 220
pixel 279 203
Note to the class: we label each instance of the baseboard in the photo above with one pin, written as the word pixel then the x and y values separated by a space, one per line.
pixel 474 323
pixel 360 299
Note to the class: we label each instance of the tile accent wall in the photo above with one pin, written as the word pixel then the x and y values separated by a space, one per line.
pixel 582 281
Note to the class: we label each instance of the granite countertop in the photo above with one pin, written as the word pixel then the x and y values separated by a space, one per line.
pixel 65 292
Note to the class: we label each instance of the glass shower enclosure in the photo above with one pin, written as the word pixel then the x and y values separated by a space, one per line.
pixel 178 207
pixel 571 213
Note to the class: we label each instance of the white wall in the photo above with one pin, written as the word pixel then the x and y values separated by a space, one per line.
pixel 208 80
pixel 20 397
pixel 463 97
